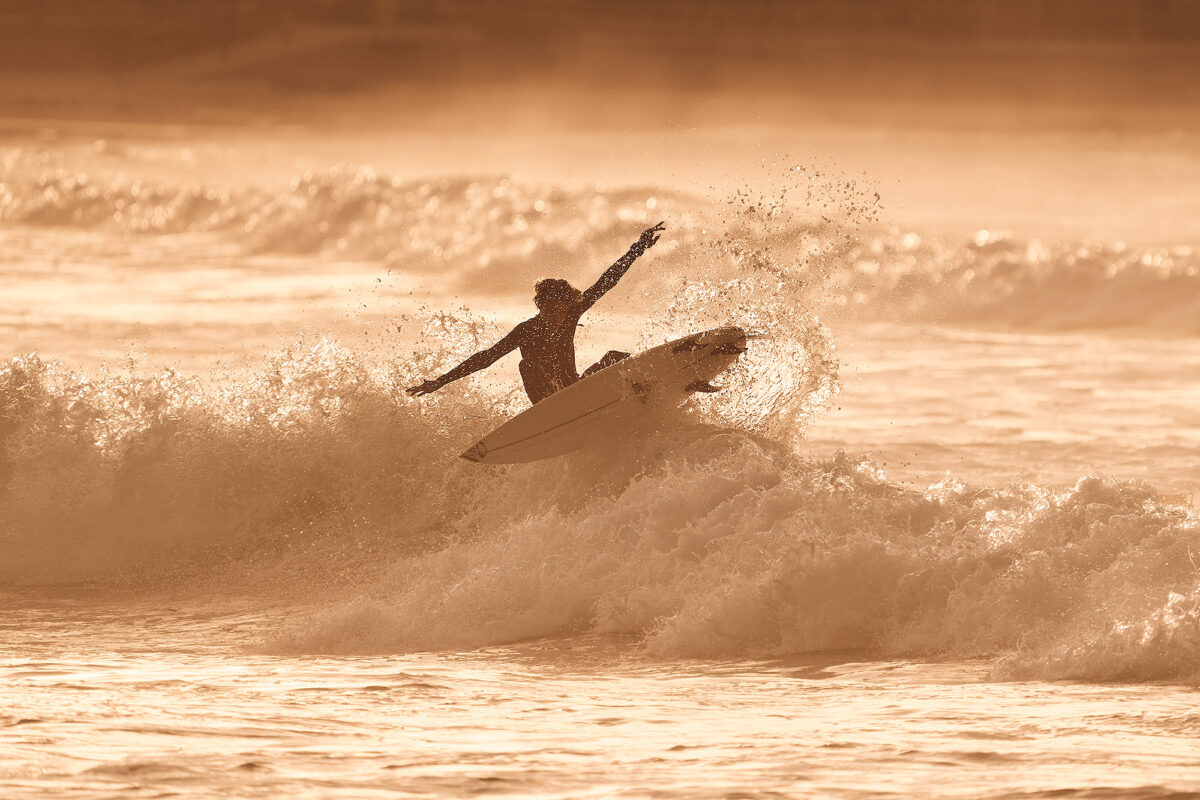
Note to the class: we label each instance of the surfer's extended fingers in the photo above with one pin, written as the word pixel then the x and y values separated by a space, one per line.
pixel 651 235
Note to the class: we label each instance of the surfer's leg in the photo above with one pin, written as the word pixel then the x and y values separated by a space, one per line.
pixel 610 358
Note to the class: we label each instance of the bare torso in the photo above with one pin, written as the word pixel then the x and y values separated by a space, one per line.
pixel 547 341
pixel 548 354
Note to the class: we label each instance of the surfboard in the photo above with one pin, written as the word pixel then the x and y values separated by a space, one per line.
pixel 604 402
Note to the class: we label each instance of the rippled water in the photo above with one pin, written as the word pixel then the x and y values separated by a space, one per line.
pixel 937 537
pixel 143 702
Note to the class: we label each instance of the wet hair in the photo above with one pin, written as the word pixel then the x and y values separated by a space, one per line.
pixel 554 290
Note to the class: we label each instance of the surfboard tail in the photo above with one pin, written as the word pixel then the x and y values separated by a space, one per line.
pixel 475 452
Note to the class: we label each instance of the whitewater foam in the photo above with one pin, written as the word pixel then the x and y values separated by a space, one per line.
pixel 117 474
pixel 729 546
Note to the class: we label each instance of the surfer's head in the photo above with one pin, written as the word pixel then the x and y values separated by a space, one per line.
pixel 553 294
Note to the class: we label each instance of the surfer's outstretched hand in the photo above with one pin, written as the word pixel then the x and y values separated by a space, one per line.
pixel 650 236
pixel 425 388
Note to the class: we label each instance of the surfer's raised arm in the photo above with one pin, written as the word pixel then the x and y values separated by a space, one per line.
pixel 614 273
pixel 481 360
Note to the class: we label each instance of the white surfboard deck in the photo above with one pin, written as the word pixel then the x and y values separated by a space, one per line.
pixel 599 405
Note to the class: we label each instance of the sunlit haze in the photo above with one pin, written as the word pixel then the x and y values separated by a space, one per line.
pixel 871 471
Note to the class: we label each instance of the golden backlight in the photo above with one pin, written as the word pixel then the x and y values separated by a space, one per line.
pixel 923 526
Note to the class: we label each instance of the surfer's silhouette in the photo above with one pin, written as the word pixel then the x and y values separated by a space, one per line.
pixel 547 341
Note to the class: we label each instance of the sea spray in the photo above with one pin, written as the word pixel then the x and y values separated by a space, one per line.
pixel 763 268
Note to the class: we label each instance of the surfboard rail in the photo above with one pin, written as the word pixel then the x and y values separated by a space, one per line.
pixel 569 419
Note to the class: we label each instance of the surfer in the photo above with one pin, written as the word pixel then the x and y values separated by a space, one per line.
pixel 547 341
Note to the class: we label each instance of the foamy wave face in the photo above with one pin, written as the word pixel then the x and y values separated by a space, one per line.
pixel 731 547
pixel 319 456
pixel 315 457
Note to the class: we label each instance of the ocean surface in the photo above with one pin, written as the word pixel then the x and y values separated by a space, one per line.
pixel 936 537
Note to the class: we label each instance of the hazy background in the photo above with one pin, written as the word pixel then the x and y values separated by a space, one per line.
pixel 1034 116
pixel 1085 53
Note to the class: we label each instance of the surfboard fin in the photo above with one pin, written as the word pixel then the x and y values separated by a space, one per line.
pixel 702 386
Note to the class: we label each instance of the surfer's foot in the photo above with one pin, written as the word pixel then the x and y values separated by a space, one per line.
pixel 610 358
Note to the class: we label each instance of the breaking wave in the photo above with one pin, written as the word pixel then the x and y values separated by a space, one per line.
pixel 317 482
pixel 318 458
pixel 121 478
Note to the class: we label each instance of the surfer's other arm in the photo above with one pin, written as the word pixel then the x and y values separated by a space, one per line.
pixel 614 273
pixel 481 360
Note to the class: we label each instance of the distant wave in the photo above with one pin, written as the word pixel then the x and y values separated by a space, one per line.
pixel 998 279
pixel 497 235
